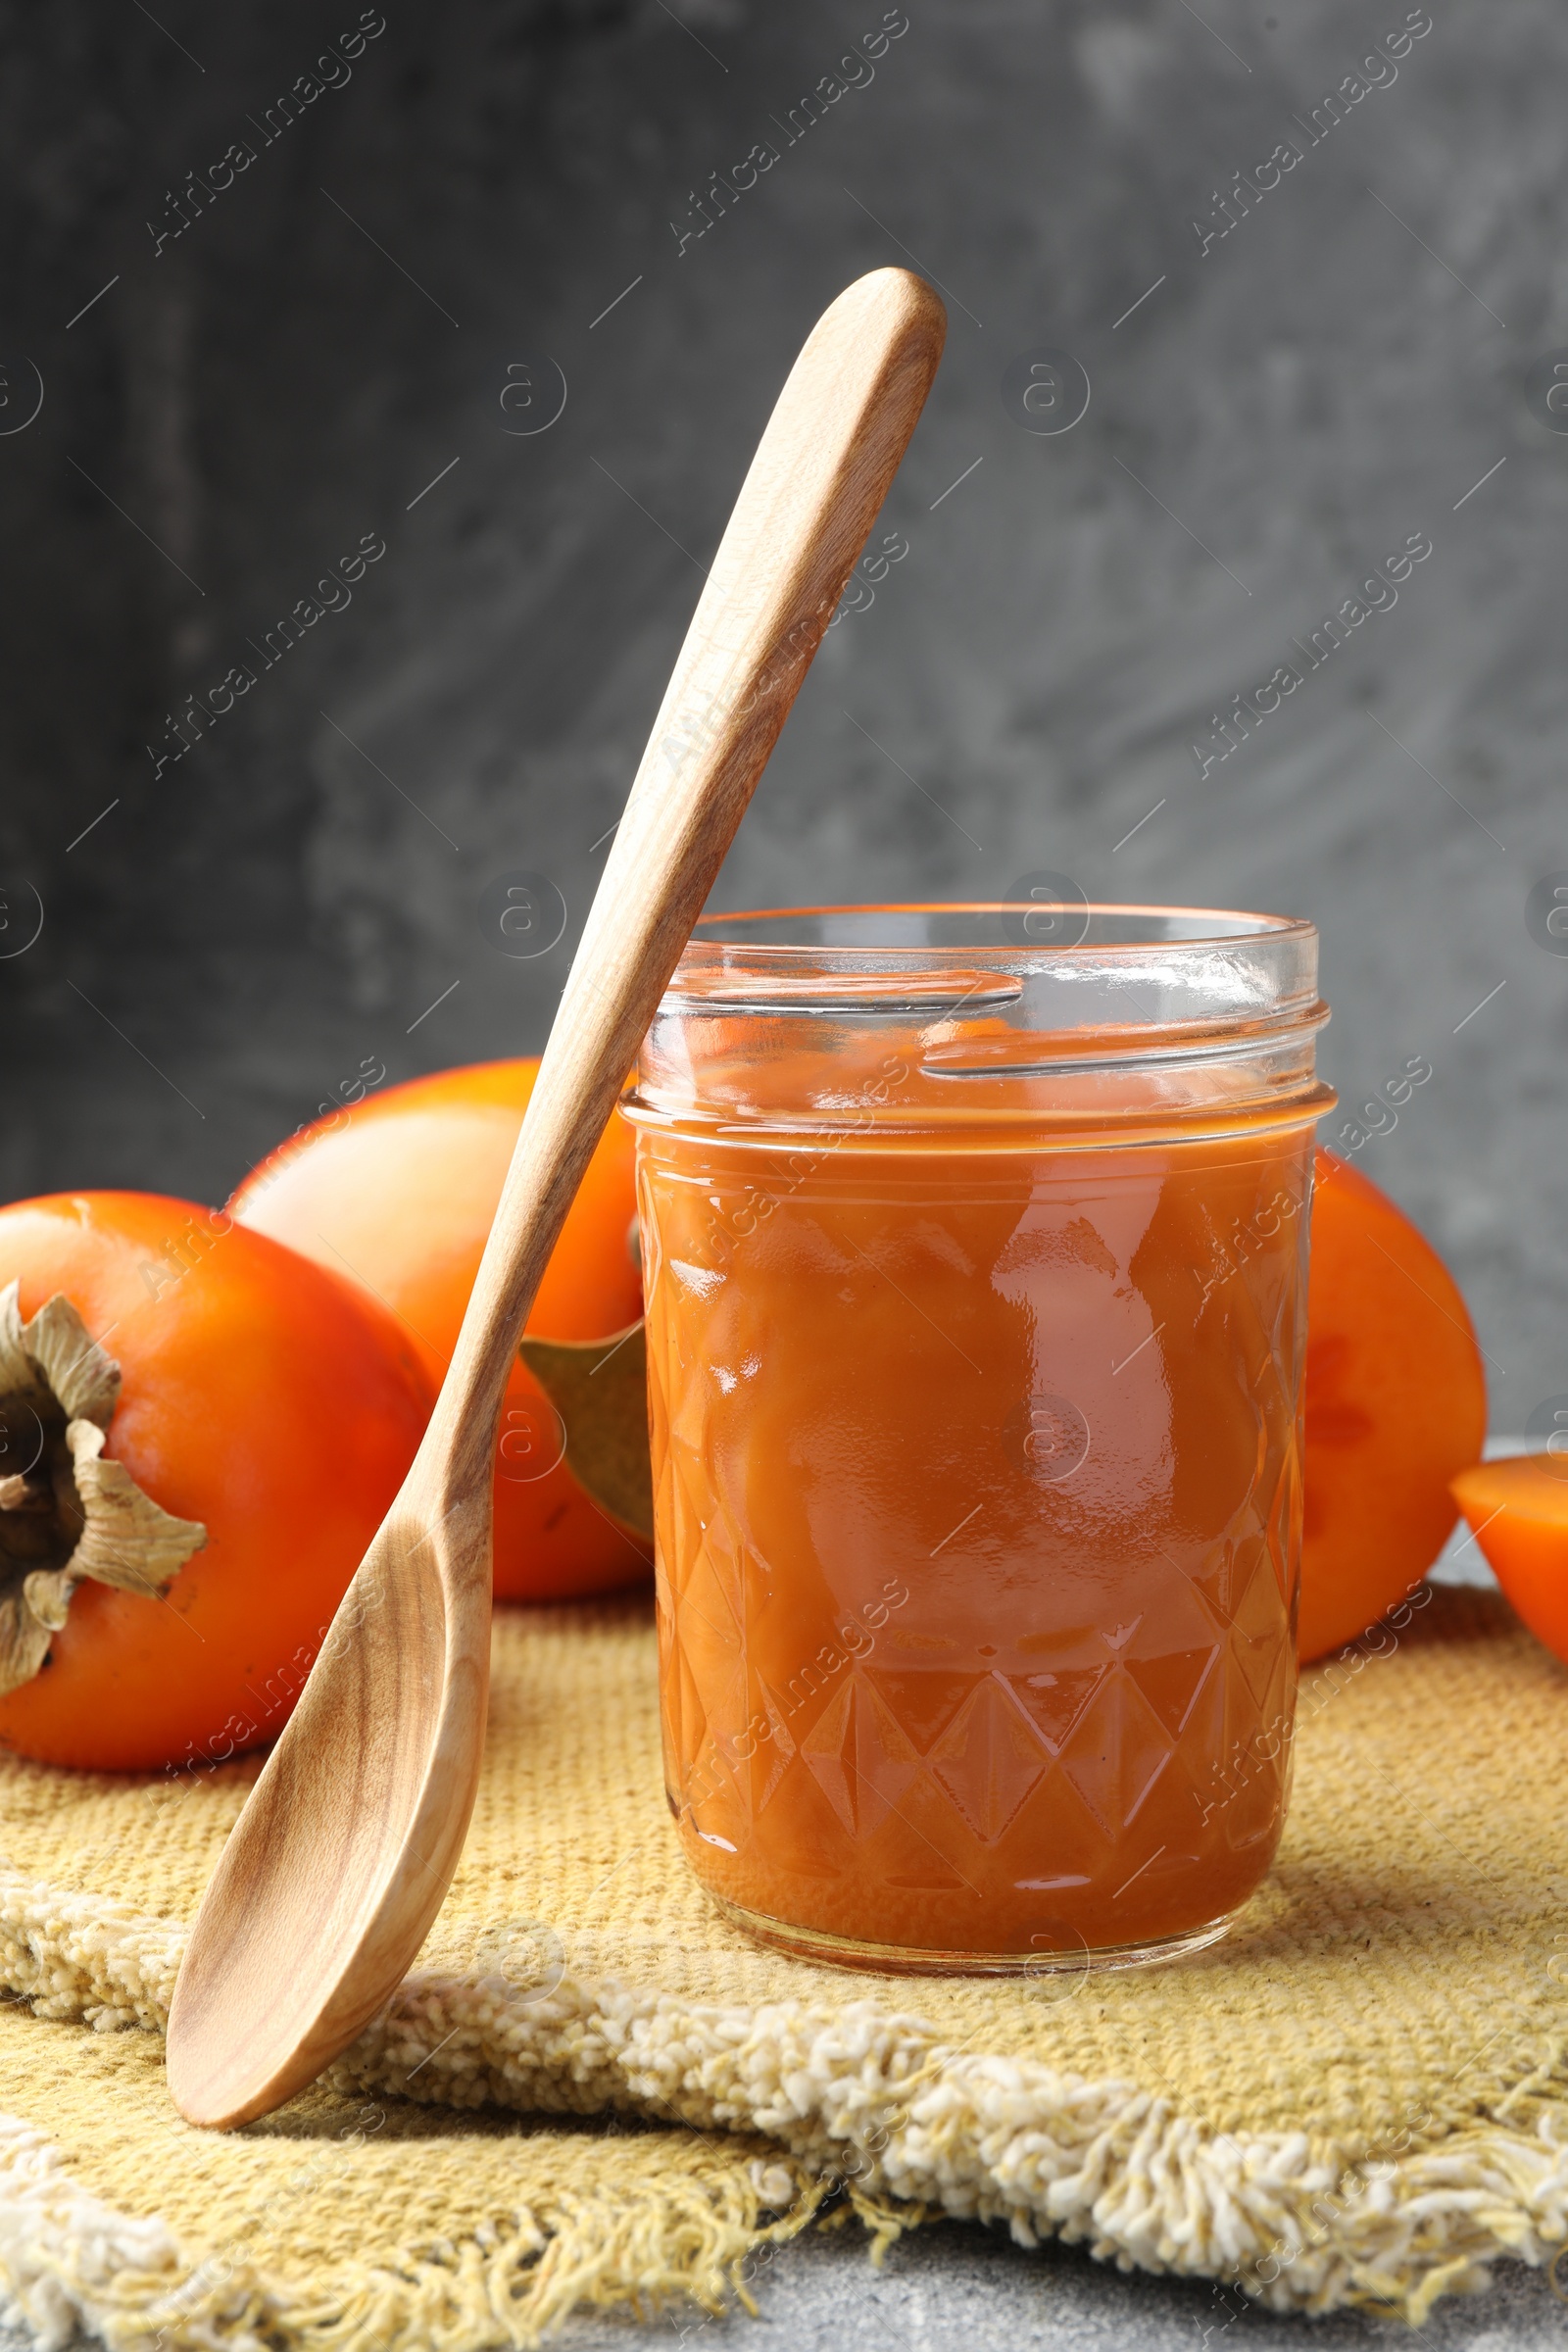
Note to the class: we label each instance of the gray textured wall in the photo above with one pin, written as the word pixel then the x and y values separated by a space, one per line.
pixel 1295 400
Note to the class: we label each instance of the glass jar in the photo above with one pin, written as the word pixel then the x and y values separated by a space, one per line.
pixel 974 1244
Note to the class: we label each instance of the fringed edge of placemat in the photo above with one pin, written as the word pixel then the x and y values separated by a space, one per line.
pixel 70 2263
pixel 858 2103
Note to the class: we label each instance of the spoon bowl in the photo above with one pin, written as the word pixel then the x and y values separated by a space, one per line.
pixel 375 1785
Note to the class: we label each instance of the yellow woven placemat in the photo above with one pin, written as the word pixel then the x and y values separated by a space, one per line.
pixel 1361 2097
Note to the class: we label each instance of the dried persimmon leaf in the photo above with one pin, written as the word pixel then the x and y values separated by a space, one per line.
pixel 25 1639
pixel 600 1390
pixel 85 1380
pixel 21 1381
pixel 128 1540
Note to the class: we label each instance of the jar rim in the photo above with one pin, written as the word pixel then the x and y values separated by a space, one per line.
pixel 942 1015
pixel 1078 957
pixel 1204 927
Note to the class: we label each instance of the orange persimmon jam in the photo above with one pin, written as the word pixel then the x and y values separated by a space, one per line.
pixel 974 1248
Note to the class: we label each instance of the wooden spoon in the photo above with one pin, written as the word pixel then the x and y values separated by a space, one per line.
pixel 342 1856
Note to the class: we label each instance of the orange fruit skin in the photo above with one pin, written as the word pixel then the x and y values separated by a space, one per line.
pixel 398 1193
pixel 261 1396
pixel 1395 1406
pixel 1518 1512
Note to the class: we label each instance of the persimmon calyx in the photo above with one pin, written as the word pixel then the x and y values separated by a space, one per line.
pixel 65 1512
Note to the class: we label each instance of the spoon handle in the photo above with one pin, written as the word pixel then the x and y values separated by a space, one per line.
pixel 821 472
pixel 348 1842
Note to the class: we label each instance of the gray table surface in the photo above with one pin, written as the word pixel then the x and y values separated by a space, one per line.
pixel 953 2287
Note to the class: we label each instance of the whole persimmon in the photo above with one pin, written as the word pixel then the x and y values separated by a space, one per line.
pixel 1518 1513
pixel 1396 1405
pixel 200 1432
pixel 399 1192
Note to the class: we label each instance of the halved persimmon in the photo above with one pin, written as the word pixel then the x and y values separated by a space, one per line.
pixel 396 1193
pixel 1518 1513
pixel 1396 1405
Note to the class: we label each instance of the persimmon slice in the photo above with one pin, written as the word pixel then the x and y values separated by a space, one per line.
pixel 1518 1513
